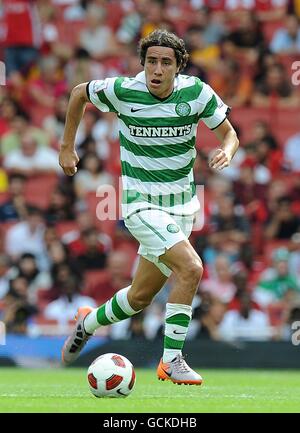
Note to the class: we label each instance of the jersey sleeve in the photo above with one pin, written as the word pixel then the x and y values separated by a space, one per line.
pixel 213 110
pixel 101 93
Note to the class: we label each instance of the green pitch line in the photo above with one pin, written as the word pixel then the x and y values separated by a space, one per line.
pixel 66 390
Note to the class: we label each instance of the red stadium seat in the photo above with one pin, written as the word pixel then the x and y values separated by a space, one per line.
pixel 106 226
pixel 93 278
pixel 3 197
pixel 38 189
pixel 270 27
pixel 65 227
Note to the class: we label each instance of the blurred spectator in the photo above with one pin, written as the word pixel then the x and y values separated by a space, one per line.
pixel 32 159
pixel 4 278
pixel 231 84
pixel 97 30
pixel 14 208
pixel 241 279
pixel 118 277
pixel 51 84
pixel 178 13
pixel 212 25
pixel 251 194
pixel 154 18
pixel 64 308
pixel 261 131
pixel 247 40
pixel 93 253
pixel 17 308
pixel 291 153
pixel 283 222
pixel 58 254
pixel 3 181
pixel 276 281
pixel 27 235
pixel 219 284
pixel 294 7
pixel 37 280
pixel 202 57
pixel 270 10
pixel 62 269
pixel 61 206
pixel 23 36
pixel 277 189
pixel 52 43
pixel 131 23
pixel 207 318
pixel 95 133
pixel 275 88
pixel 286 40
pixel 73 238
pixel 55 123
pixel 269 159
pixel 246 323
pixel 9 109
pixel 19 126
pixel 131 64
pixel 50 236
pixel 91 176
pixel 81 68
pixel 227 225
pixel 76 11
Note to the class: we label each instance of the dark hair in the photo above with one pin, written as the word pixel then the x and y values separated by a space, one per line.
pixel 163 38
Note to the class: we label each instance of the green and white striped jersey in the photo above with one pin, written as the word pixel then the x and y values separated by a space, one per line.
pixel 157 138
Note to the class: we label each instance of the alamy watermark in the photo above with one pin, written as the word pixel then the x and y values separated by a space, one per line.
pixel 296 335
pixel 296 73
pixel 2 334
pixel 2 74
pixel 109 207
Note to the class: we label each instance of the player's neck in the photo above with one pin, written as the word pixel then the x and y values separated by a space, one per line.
pixel 163 98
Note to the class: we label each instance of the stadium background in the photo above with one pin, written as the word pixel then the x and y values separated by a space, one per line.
pixel 54 251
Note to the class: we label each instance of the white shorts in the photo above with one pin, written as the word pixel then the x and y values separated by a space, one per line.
pixel 157 231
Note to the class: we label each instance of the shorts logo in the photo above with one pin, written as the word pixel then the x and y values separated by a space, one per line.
pixel 183 109
pixel 172 228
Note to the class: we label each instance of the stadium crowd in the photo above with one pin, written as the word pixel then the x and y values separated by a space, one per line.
pixel 57 254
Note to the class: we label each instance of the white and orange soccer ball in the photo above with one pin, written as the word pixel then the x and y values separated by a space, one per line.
pixel 111 375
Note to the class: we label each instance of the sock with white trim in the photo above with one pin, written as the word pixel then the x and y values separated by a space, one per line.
pixel 114 310
pixel 178 317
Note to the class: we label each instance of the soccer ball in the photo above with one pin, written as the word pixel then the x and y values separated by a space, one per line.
pixel 111 375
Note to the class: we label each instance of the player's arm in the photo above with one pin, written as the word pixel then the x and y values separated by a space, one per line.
pixel 222 156
pixel 68 158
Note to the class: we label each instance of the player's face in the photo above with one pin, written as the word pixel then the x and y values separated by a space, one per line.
pixel 160 69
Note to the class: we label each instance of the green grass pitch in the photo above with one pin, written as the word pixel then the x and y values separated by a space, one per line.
pixel 66 390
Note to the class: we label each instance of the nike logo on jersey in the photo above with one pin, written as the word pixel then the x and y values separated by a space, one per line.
pixel 178 333
pixel 133 110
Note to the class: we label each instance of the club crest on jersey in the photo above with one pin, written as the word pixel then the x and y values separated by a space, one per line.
pixel 172 228
pixel 183 109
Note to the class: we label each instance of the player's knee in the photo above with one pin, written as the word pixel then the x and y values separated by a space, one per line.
pixel 192 271
pixel 138 301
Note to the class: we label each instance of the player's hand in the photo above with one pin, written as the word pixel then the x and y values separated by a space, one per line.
pixel 68 160
pixel 219 159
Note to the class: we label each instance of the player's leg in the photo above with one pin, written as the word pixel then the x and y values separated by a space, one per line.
pixel 164 240
pixel 187 267
pixel 147 281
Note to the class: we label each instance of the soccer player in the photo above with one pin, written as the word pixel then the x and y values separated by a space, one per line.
pixel 158 113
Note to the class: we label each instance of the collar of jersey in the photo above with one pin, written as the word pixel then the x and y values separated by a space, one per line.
pixel 141 77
